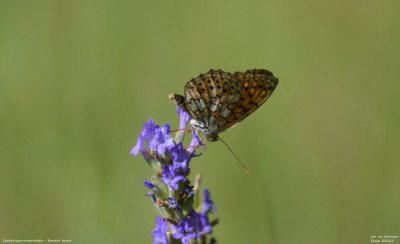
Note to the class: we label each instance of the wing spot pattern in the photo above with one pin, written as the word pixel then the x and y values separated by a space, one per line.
pixel 218 100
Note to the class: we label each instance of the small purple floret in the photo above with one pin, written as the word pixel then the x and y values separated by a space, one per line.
pixel 184 118
pixel 146 134
pixel 207 203
pixel 148 184
pixel 140 147
pixel 172 203
pixel 203 225
pixel 149 129
pixel 189 190
pixel 196 142
pixel 157 139
pixel 171 177
pixel 185 230
pixel 180 158
pixel 160 232
pixel 162 139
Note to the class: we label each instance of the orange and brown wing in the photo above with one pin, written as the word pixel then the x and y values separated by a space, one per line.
pixel 258 85
pixel 211 98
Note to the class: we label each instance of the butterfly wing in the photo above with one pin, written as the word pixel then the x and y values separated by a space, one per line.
pixel 258 85
pixel 211 98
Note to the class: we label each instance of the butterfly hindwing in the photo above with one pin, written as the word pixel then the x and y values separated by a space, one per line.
pixel 258 85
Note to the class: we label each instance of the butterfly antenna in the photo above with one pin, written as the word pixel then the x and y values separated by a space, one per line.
pixel 244 166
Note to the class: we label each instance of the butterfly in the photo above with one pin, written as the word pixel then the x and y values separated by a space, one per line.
pixel 219 100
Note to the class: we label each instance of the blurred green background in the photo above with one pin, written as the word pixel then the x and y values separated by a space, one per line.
pixel 78 79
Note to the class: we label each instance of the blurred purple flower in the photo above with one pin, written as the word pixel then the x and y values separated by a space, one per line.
pixel 160 232
pixel 207 203
pixel 148 184
pixel 203 225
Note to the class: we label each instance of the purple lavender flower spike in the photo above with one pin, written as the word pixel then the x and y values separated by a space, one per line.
pixel 185 230
pixel 171 178
pixel 207 203
pixel 160 232
pixel 180 158
pixel 172 201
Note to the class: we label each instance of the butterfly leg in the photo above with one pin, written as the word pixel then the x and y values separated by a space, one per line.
pixel 185 130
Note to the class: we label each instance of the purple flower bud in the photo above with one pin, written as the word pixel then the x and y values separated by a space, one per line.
pixel 173 203
pixel 189 190
pixel 184 118
pixel 146 134
pixel 207 203
pixel 148 184
pixel 203 225
pixel 140 147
